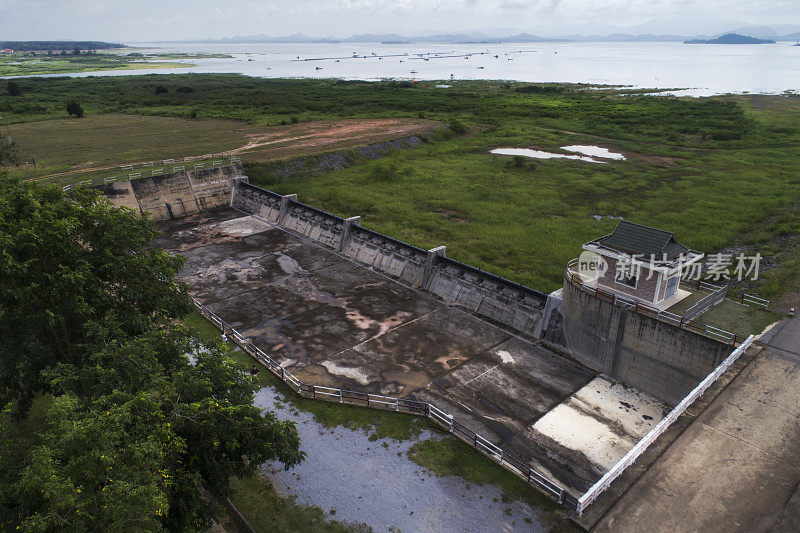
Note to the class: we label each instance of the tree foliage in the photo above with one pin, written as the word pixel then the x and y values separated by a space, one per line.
pixel 142 419
pixel 74 109
pixel 13 88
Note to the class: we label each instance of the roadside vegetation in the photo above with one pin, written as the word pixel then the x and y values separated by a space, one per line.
pixel 721 173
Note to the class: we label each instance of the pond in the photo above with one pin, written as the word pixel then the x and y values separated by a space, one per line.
pixel 590 154
pixel 355 479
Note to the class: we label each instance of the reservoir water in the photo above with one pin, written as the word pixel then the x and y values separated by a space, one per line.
pixel 698 70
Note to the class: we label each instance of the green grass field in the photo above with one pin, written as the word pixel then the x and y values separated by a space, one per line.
pixel 29 64
pixel 719 172
pixel 80 147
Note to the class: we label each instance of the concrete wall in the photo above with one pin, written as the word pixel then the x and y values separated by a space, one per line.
pixel 176 195
pixel 664 360
pixel 120 193
pixel 395 258
pixel 490 296
pixel 499 300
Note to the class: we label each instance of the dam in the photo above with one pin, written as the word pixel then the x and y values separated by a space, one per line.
pixel 342 307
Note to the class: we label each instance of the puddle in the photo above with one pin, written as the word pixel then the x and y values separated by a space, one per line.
pixel 539 154
pixel 589 153
pixel 373 482
pixel 594 151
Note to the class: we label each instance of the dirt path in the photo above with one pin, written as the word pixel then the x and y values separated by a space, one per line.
pixel 322 133
pixel 305 138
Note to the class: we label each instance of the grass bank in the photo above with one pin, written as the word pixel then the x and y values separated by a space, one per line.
pixel 31 65
pixel 267 511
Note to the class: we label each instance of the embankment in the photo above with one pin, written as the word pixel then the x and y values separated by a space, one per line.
pixel 271 172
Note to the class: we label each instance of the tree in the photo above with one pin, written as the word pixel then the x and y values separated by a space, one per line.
pixel 75 109
pixel 75 275
pixel 143 419
pixel 13 88
pixel 76 51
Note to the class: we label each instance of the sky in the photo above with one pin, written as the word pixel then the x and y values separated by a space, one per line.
pixel 148 20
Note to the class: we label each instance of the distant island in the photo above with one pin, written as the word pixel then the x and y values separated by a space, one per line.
pixel 730 38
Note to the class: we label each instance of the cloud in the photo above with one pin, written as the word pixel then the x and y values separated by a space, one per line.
pixel 197 19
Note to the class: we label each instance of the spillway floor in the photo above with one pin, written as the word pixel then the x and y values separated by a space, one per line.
pixel 335 323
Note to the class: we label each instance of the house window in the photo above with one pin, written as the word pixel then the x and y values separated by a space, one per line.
pixel 629 279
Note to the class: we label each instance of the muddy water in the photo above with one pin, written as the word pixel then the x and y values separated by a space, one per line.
pixel 357 480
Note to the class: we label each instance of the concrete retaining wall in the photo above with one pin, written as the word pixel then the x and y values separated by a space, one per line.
pixel 390 256
pixel 176 195
pixel 315 224
pixel 490 296
pixel 257 201
pixel 664 360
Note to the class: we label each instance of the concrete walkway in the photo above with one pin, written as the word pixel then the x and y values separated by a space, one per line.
pixel 737 466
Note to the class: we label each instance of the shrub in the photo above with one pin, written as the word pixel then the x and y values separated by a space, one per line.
pixel 75 109
pixel 160 89
pixel 294 120
pixel 14 89
pixel 457 127
pixel 185 90
pixel 388 172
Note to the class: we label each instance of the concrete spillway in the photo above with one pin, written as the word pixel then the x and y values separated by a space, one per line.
pixel 344 306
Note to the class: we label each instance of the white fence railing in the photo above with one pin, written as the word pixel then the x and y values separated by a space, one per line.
pixel 157 168
pixel 604 482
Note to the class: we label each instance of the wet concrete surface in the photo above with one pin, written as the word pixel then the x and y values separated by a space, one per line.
pixel 335 323
pixel 355 479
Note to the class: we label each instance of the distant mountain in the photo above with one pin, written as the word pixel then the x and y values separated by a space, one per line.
pixel 627 38
pixel 777 33
pixel 654 31
pixel 731 38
